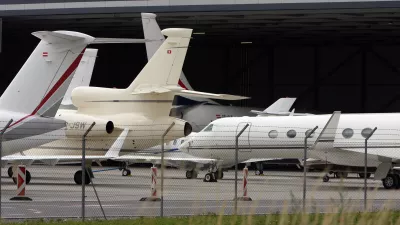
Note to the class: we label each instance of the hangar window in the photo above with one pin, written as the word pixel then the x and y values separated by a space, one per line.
pixel 208 128
pixel 273 134
pixel 348 133
pixel 291 133
pixel 366 132
pixel 309 131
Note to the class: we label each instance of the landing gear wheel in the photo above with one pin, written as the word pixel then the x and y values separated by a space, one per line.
pixel 210 177
pixel 191 174
pixel 398 181
pixel 10 171
pixel 390 181
pixel 27 178
pixel 78 178
pixel 126 172
pixel 325 178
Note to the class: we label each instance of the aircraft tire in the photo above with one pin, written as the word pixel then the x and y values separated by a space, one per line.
pixel 210 177
pixel 126 172
pixel 78 178
pixel 325 178
pixel 10 171
pixel 398 181
pixel 390 181
pixel 28 177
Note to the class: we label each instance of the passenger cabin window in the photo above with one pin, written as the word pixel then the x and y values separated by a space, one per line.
pixel 309 131
pixel 291 133
pixel 366 132
pixel 209 128
pixel 348 133
pixel 174 142
pixel 273 134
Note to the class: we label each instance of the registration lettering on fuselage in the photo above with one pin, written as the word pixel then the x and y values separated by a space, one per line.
pixel 76 125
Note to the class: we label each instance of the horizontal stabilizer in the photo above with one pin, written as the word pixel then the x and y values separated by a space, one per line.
pixel 210 95
pixel 118 41
pixel 154 89
pixel 59 37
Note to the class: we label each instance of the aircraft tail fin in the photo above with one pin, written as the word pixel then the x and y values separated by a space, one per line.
pixel 279 108
pixel 44 78
pixel 165 67
pixel 82 75
pixel 154 37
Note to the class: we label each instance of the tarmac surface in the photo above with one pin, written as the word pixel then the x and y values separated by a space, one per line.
pixel 55 195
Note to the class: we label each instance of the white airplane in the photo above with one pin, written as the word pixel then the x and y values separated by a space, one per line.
pixel 340 141
pixel 138 115
pixel 206 110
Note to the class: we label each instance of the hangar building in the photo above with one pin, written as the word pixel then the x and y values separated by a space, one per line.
pixel 332 55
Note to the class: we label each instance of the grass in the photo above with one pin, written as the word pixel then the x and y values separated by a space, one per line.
pixel 376 218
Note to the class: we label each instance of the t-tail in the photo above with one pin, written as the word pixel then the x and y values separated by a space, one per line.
pixel 152 33
pixel 41 83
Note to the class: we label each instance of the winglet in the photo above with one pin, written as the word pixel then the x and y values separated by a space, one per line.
pixel 327 135
pixel 117 145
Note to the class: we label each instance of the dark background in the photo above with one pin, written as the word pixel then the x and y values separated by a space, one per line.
pixel 331 60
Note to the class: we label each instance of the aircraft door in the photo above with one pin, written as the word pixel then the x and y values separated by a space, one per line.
pixel 244 139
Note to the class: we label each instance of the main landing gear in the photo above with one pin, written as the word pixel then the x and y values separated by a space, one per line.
pixel 125 171
pixel 391 181
pixel 213 174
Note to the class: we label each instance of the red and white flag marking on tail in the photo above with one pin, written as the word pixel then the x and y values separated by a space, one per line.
pixel 45 54
pixel 169 51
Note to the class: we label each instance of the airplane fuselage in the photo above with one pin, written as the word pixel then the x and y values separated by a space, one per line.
pixel 283 137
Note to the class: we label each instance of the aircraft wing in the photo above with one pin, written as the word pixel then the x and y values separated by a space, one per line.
pixel 260 160
pixel 52 160
pixel 176 157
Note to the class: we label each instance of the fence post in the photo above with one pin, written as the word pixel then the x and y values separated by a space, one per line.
pixel 162 169
pixel 236 164
pixel 365 167
pixel 84 168
pixel 1 156
pixel 305 167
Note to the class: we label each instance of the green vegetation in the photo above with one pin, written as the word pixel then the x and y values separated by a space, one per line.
pixel 378 218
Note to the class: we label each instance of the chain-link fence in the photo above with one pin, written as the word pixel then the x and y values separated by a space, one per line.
pixel 244 168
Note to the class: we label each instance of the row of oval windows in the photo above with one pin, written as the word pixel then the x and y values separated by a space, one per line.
pixel 347 133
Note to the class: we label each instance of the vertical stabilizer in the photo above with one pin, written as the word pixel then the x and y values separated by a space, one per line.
pixel 281 105
pixel 165 67
pixel 44 78
pixel 82 75
pixel 152 32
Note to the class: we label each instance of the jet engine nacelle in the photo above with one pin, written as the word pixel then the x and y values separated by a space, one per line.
pixel 180 129
pixel 78 124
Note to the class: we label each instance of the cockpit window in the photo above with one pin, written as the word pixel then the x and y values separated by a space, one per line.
pixel 182 141
pixel 174 142
pixel 208 128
